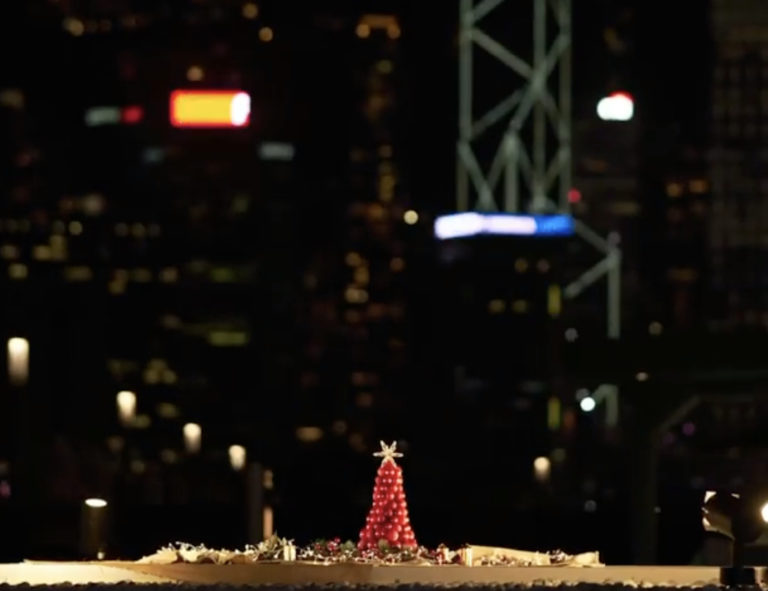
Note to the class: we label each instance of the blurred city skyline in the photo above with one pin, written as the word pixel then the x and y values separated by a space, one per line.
pixel 280 285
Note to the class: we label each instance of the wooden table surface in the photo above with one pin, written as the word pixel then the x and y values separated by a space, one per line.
pixel 109 572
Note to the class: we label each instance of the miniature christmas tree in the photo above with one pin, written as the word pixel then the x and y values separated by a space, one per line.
pixel 388 520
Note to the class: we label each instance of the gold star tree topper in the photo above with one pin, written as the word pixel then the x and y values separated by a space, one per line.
pixel 388 452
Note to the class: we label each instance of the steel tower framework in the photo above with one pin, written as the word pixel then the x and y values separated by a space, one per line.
pixel 526 175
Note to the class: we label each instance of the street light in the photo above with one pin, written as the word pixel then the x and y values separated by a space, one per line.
pixel 542 467
pixel 237 457
pixel 126 407
pixel 193 434
pixel 18 360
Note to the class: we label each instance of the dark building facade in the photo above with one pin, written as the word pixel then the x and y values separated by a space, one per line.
pixel 251 281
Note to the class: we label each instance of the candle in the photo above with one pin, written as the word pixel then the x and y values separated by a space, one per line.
pixel 269 522
pixel 466 555
pixel 289 552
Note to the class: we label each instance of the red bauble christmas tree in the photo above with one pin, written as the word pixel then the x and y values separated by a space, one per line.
pixel 388 518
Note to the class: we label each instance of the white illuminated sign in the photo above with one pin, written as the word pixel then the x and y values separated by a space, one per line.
pixel 473 223
pixel 617 106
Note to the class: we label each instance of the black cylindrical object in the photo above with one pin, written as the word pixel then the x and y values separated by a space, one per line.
pixel 94 529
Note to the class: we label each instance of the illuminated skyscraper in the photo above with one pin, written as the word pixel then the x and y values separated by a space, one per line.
pixel 738 229
pixel 355 341
pixel 137 255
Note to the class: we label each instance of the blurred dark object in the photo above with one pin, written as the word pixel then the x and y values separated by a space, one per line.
pixel 94 529
pixel 733 515
pixel 739 517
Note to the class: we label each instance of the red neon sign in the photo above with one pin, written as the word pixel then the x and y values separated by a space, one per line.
pixel 132 114
pixel 210 108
